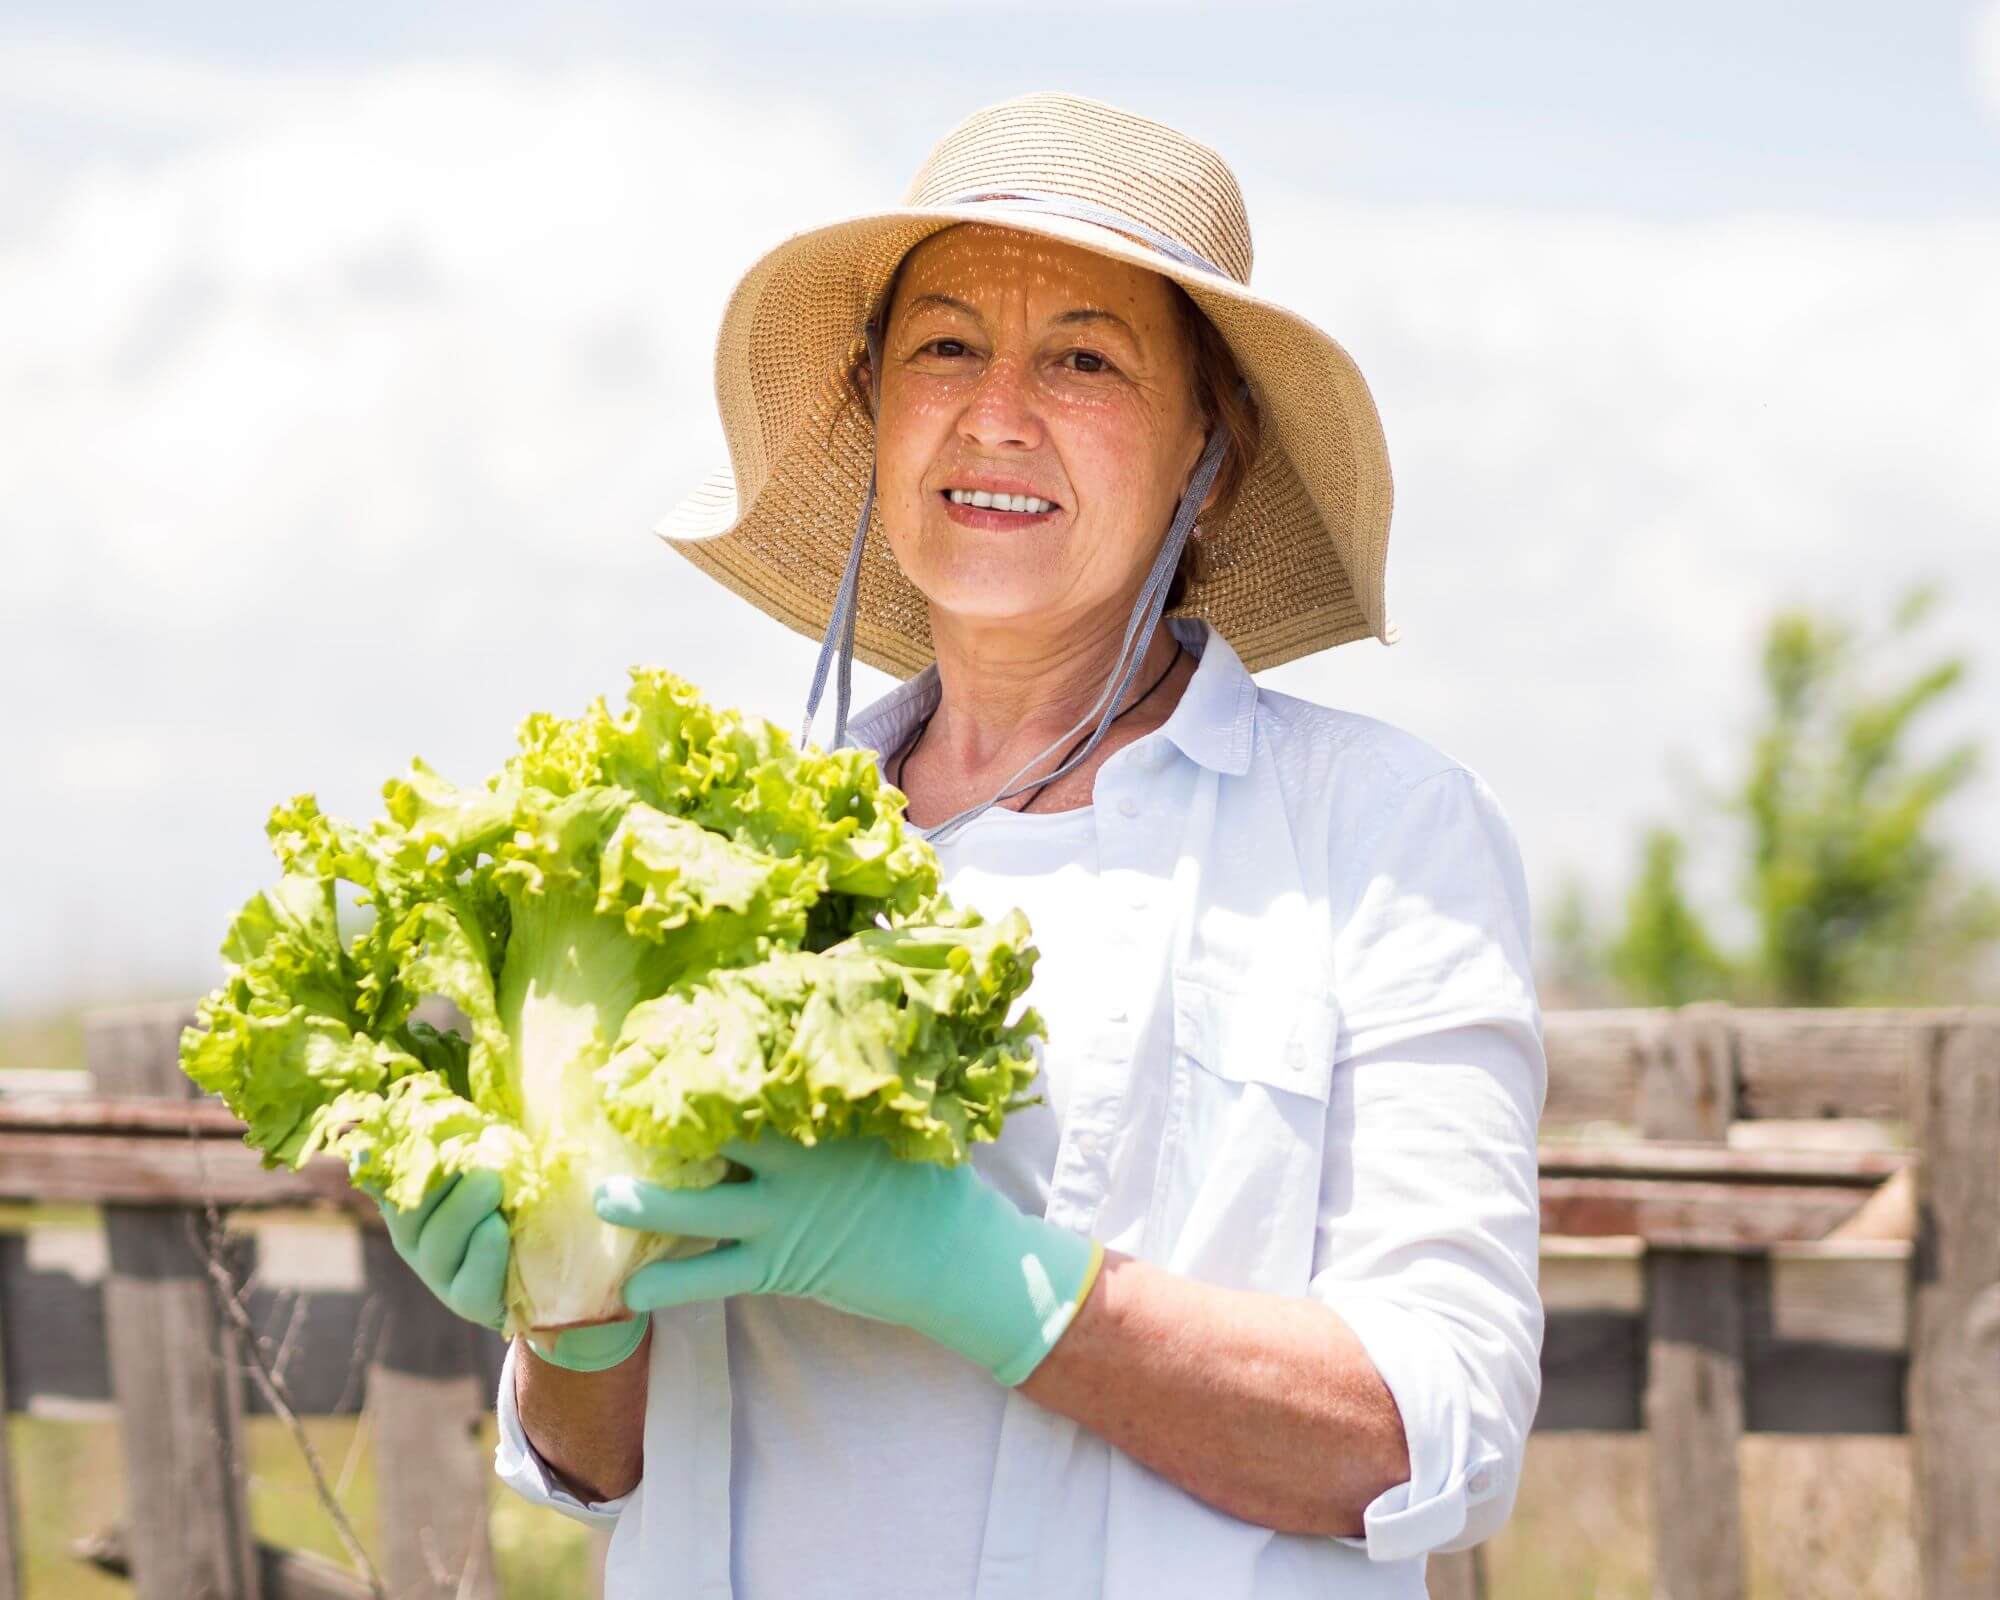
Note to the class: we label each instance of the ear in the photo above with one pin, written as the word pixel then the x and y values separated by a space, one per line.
pixel 1215 484
pixel 1214 488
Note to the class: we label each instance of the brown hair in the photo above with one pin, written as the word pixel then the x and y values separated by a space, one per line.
pixel 1215 395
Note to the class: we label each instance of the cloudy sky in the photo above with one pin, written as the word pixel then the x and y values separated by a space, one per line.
pixel 349 354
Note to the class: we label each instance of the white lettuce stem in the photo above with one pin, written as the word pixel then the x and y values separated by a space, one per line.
pixel 570 977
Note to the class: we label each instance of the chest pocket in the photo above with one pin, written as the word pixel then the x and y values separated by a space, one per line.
pixel 1236 1201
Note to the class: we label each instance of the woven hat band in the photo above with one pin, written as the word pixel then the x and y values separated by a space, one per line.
pixel 1064 205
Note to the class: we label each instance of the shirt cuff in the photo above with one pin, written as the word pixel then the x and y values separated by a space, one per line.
pixel 1450 1472
pixel 526 1473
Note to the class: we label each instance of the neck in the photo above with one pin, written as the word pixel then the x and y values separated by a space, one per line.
pixel 1006 693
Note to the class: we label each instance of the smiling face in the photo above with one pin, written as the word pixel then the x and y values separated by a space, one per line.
pixel 1029 367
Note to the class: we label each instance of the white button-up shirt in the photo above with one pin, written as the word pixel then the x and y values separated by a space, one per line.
pixel 1316 1069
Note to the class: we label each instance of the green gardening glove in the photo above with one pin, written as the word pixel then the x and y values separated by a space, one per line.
pixel 846 1223
pixel 457 1242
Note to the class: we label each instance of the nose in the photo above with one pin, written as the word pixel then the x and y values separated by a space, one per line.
pixel 1000 412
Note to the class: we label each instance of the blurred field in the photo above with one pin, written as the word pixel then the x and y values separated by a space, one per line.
pixel 1826 1519
pixel 70 1483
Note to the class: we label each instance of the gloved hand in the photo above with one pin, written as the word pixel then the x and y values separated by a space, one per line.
pixel 846 1223
pixel 457 1242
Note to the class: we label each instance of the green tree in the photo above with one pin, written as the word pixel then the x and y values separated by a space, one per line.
pixel 1855 896
pixel 1663 954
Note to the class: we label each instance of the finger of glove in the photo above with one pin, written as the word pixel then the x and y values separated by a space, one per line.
pixel 407 1226
pixel 722 1211
pixel 478 1291
pixel 442 1241
pixel 730 1269
pixel 769 1154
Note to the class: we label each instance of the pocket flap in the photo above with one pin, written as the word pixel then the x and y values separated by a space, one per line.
pixel 1281 1036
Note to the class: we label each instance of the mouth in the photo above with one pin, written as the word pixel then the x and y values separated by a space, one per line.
pixel 981 508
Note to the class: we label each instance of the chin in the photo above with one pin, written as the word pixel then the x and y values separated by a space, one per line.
pixel 993 588
pixel 983 599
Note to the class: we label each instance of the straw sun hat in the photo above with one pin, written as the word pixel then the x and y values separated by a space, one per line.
pixel 1297 565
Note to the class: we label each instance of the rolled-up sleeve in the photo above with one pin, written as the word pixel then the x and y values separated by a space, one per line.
pixel 526 1473
pixel 1429 1215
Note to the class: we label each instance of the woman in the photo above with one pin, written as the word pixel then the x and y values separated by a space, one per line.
pixel 1247 1306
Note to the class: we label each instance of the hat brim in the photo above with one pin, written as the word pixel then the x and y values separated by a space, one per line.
pixel 1299 565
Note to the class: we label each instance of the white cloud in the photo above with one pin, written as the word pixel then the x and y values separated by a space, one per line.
pixel 1618 447
pixel 337 421
pixel 336 432
pixel 1984 32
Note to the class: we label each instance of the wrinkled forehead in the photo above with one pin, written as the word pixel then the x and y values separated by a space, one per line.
pixel 991 268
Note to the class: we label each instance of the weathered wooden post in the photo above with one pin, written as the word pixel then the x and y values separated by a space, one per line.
pixel 174 1362
pixel 426 1397
pixel 11 1579
pixel 1458 1575
pixel 1953 1397
pixel 1694 1333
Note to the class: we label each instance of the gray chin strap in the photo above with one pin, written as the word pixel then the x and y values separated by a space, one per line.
pixel 838 643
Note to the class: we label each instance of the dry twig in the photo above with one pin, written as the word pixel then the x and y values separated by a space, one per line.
pixel 209 1242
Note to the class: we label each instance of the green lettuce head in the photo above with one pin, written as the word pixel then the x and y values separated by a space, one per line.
pixel 663 929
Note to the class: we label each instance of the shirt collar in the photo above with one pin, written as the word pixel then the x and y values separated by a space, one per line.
pixel 1210 726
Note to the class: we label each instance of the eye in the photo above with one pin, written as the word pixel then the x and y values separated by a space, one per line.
pixel 945 347
pixel 1095 363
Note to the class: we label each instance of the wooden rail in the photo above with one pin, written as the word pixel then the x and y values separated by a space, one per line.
pixel 1691 1286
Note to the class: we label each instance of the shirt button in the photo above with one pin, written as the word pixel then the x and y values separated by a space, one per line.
pixel 1128 807
pixel 1478 1481
pixel 1115 1012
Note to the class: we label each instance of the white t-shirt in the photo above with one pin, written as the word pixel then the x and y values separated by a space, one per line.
pixel 827 1406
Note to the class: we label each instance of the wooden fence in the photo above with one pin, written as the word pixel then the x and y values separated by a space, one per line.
pixel 1694 1281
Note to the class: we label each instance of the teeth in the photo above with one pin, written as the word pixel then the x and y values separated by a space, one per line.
pixel 999 502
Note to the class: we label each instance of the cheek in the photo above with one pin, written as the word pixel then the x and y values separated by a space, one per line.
pixel 916 427
pixel 1120 464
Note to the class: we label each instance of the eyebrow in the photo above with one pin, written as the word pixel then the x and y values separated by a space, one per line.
pixel 1065 319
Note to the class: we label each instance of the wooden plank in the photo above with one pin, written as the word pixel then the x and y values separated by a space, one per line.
pixel 1805 1063
pixel 1694 1406
pixel 1596 1059
pixel 94 1169
pixel 1848 1061
pixel 283 1574
pixel 1456 1575
pixel 426 1398
pixel 1824 1339
pixel 1695 1411
pixel 110 1113
pixel 13 1582
pixel 1695 1216
pixel 1954 1375
pixel 174 1361
pixel 100 1149
pixel 600 1552
pixel 42 1081
pixel 1850 1294
pixel 1697 1162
